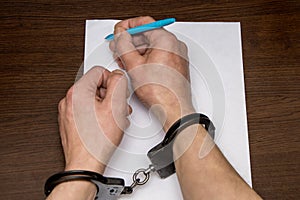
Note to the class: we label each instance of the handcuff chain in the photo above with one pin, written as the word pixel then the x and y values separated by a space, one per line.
pixel 137 180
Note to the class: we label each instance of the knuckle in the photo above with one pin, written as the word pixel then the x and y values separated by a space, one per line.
pixel 97 68
pixel 112 45
pixel 169 38
pixel 115 56
pixel 172 38
pixel 118 72
pixel 61 104
pixel 117 25
pixel 148 18
pixel 70 93
pixel 183 46
pixel 126 123
pixel 116 76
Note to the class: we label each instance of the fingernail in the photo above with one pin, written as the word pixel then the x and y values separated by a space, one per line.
pixel 117 71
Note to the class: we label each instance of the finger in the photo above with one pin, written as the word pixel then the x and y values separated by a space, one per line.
pixel 133 22
pixel 112 45
pixel 126 44
pixel 116 98
pixel 127 93
pixel 158 38
pixel 149 36
pixel 183 50
pixel 69 95
pixel 102 93
pixel 126 124
pixel 141 43
pixel 62 105
pixel 161 38
pixel 93 79
pixel 139 40
pixel 142 49
pixel 98 92
pixel 126 50
pixel 116 87
pixel 118 61
pixel 129 110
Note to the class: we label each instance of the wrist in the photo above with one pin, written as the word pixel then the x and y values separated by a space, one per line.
pixel 192 134
pixel 169 114
pixel 89 165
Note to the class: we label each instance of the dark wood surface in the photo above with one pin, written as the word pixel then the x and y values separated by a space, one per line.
pixel 41 49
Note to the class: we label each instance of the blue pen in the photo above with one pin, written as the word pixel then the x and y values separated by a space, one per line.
pixel 146 27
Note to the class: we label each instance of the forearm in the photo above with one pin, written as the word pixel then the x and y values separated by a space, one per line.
pixel 75 190
pixel 203 171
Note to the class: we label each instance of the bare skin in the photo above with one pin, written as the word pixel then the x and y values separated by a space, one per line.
pixel 99 86
pixel 208 177
pixel 157 63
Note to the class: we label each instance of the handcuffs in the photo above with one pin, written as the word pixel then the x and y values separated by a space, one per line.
pixel 161 157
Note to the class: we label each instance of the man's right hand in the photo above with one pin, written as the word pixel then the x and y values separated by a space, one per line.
pixel 157 63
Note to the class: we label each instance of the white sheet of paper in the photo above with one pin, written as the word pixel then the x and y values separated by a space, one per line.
pixel 217 79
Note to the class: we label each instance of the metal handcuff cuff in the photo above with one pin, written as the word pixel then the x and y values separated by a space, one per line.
pixel 161 157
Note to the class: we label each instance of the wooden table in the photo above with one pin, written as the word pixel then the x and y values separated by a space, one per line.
pixel 41 49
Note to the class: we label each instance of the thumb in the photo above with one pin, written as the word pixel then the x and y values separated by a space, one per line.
pixel 84 90
pixel 126 49
pixel 116 98
pixel 94 78
pixel 116 91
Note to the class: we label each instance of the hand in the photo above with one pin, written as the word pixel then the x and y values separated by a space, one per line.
pixel 157 63
pixel 92 118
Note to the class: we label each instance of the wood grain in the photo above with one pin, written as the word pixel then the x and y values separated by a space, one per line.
pixel 41 50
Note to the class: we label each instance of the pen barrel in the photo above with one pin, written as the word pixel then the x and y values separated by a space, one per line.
pixel 151 26
pixel 146 27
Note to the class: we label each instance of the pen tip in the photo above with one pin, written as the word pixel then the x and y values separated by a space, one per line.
pixel 172 20
pixel 109 37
